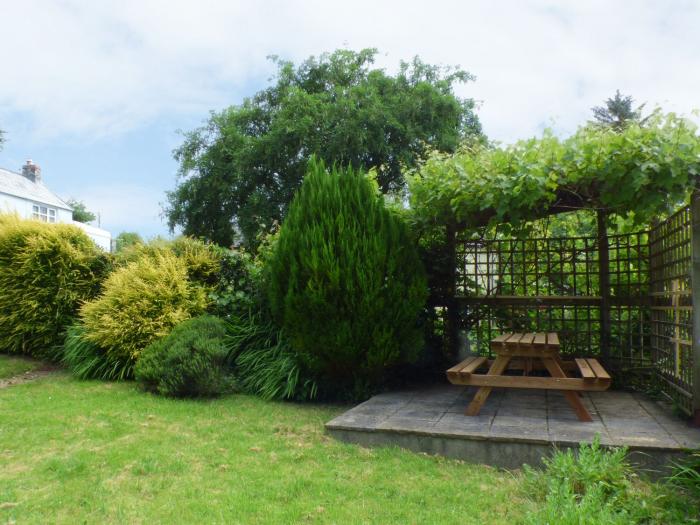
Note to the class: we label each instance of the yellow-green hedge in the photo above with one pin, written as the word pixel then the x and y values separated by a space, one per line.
pixel 203 261
pixel 46 272
pixel 141 302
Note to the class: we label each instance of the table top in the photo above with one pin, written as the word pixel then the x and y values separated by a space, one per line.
pixel 531 342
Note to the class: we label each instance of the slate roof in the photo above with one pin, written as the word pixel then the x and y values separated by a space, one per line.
pixel 15 184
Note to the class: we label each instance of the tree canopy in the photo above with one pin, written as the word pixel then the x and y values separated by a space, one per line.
pixel 126 239
pixel 618 112
pixel 80 211
pixel 638 171
pixel 238 173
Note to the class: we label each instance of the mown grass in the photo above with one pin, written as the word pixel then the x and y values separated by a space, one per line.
pixel 94 452
pixel 11 366
pixel 97 452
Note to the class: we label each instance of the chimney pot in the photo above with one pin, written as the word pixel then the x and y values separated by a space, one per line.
pixel 31 171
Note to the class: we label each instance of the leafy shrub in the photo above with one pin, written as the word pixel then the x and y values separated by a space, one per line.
pixel 86 360
pixel 238 288
pixel 202 260
pixel 46 272
pixel 189 362
pixel 345 282
pixel 265 364
pixel 140 303
pixel 598 486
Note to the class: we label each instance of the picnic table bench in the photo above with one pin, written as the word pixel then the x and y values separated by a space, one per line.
pixel 528 352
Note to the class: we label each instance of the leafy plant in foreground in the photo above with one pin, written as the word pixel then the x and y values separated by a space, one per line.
pixel 597 486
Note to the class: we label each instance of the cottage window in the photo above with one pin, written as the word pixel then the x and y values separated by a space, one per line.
pixel 43 213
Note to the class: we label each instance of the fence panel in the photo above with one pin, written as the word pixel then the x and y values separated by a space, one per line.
pixel 672 307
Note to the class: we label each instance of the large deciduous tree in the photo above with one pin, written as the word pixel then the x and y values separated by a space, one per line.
pixel 239 172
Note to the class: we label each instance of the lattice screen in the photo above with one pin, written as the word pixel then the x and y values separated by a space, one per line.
pixel 672 308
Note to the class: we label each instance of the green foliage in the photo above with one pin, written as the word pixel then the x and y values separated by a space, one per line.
pixel 618 112
pixel 46 272
pixel 345 282
pixel 598 487
pixel 240 171
pixel 686 474
pixel 191 361
pixel 80 211
pixel 126 239
pixel 639 172
pixel 141 302
pixel 239 285
pixel 265 364
pixel 86 360
pixel 202 260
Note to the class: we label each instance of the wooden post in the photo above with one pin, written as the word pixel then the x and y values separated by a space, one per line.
pixel 695 284
pixel 604 284
pixel 452 314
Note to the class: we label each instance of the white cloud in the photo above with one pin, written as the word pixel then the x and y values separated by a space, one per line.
pixel 93 69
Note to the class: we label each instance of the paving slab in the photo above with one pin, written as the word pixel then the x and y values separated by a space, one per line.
pixel 516 426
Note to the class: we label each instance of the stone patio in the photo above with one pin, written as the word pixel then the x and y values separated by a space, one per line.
pixel 516 426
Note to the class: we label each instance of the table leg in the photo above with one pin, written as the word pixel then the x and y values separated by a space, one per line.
pixel 497 368
pixel 571 396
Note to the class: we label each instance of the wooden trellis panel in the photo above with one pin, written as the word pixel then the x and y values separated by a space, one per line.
pixel 672 306
pixel 552 284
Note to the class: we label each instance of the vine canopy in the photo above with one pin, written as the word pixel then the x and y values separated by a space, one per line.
pixel 639 172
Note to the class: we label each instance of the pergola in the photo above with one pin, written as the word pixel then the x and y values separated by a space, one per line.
pixel 626 298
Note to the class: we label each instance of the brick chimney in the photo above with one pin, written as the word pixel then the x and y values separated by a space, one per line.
pixel 31 171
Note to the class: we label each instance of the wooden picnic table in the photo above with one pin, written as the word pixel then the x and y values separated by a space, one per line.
pixel 528 352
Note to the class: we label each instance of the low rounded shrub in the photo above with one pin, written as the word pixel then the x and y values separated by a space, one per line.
pixel 140 303
pixel 346 284
pixel 46 272
pixel 191 361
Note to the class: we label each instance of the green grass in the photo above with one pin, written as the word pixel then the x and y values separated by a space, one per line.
pixel 11 365
pixel 98 452
pixel 74 452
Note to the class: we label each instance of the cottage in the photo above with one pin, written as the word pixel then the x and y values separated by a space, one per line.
pixel 25 194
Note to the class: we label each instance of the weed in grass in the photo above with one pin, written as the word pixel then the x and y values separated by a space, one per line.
pixel 597 486
pixel 686 474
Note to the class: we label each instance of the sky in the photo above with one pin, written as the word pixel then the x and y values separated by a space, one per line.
pixel 96 92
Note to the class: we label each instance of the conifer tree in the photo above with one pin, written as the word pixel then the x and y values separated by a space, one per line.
pixel 346 283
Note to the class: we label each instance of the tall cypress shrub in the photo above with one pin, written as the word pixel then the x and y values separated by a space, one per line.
pixel 346 283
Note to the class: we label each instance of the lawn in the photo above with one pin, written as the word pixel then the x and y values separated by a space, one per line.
pixel 95 452
pixel 15 365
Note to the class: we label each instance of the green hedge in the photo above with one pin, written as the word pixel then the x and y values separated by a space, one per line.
pixel 141 302
pixel 46 272
pixel 346 283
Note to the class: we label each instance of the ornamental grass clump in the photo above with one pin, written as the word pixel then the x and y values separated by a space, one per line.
pixel 141 302
pixel 46 272
pixel 192 361
pixel 346 284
